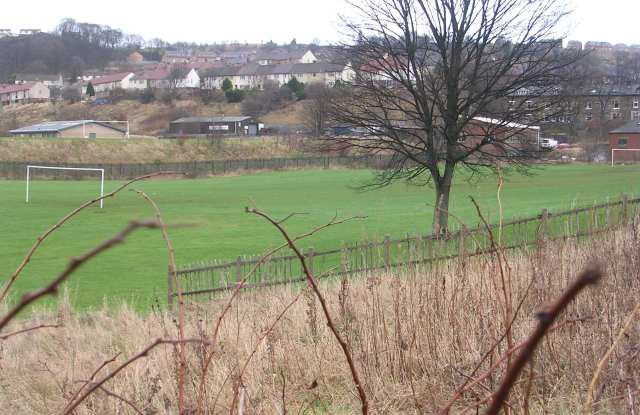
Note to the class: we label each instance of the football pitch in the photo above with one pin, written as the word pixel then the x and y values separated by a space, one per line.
pixel 207 219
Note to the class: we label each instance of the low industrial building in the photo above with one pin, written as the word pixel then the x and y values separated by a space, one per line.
pixel 72 129
pixel 624 143
pixel 191 126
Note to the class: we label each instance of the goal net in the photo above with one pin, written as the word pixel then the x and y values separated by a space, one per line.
pixel 625 155
pixel 31 168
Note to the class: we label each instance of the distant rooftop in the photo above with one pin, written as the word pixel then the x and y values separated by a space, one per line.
pixel 632 127
pixel 211 119
pixel 56 126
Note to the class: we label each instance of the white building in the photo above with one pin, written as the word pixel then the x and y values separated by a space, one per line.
pixel 255 75
pixel 23 93
pixel 103 84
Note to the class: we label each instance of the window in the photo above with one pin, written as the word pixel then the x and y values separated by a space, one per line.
pixel 636 103
pixel 622 142
pixel 615 115
pixel 587 116
pixel 529 104
pixel 512 104
pixel 635 115
pixel 588 105
pixel 616 104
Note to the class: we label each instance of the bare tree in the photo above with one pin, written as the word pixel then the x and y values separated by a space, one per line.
pixel 426 69
pixel 177 74
pixel 317 106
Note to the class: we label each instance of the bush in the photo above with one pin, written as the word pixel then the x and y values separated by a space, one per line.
pixel 146 96
pixel 208 96
pixel 270 99
pixel 166 96
pixel 227 85
pixel 71 95
pixel 234 95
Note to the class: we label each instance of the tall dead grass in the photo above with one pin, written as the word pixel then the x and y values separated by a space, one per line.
pixel 415 335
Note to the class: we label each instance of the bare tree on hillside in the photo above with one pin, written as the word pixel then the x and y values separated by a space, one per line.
pixel 426 68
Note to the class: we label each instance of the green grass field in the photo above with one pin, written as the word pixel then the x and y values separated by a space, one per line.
pixel 218 228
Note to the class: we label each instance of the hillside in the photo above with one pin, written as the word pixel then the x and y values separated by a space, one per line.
pixel 145 119
pixel 144 150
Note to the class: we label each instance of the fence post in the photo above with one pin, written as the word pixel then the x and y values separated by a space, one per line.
pixel 542 230
pixel 462 234
pixel 387 251
pixel 170 285
pixel 625 208
pixel 239 269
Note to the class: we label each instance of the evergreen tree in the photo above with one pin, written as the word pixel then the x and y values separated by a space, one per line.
pixel 90 90
pixel 227 85
pixel 297 87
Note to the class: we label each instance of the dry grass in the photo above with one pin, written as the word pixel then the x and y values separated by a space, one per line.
pixel 145 119
pixel 415 337
pixel 145 150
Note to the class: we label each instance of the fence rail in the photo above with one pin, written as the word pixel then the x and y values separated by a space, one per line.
pixel 16 170
pixel 209 279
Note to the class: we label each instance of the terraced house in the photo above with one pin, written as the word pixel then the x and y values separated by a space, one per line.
pixel 254 75
pixel 23 93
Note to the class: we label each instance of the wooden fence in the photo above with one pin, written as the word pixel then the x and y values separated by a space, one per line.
pixel 17 170
pixel 205 280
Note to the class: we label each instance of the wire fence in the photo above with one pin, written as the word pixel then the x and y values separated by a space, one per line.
pixel 123 171
pixel 204 281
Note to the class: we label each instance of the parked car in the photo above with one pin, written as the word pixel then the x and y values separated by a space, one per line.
pixel 548 144
pixel 101 101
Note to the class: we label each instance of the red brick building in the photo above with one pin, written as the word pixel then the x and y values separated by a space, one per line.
pixel 623 139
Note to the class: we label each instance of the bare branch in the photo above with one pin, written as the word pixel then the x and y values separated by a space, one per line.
pixel 312 282
pixel 546 318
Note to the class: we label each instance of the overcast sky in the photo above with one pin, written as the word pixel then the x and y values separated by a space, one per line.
pixel 263 20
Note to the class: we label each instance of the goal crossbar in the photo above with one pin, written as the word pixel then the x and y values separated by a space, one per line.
pixel 29 167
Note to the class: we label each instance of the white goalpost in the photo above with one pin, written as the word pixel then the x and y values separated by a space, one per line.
pixel 29 167
pixel 613 151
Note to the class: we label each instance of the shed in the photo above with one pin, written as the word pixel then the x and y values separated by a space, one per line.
pixel 240 125
pixel 79 128
pixel 624 142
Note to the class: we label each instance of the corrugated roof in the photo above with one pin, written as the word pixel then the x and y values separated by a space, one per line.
pixel 56 126
pixel 211 119
pixel 632 127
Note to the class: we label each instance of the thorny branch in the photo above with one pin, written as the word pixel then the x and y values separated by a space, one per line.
pixel 174 277
pixel 312 282
pixel 239 287
pixel 95 385
pixel 546 317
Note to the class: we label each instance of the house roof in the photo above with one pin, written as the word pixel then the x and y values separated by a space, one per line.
pixel 152 75
pixel 33 77
pixel 281 54
pixel 210 119
pixel 632 127
pixel 501 123
pixel 284 68
pixel 107 79
pixel 56 126
pixel 8 88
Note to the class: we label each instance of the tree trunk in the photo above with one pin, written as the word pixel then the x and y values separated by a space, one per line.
pixel 441 209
